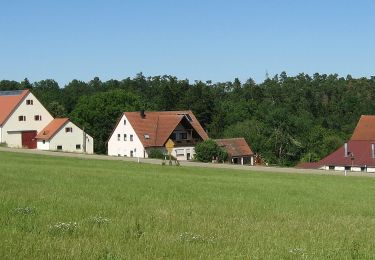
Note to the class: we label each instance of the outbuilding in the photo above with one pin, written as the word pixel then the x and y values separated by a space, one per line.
pixel 239 152
pixel 62 135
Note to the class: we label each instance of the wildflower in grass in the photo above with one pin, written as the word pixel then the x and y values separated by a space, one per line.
pixel 25 211
pixel 298 251
pixel 189 237
pixel 61 227
pixel 98 220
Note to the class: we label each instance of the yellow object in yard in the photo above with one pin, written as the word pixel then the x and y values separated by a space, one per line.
pixel 169 145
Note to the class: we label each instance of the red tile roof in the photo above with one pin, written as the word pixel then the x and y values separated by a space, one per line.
pixel 361 151
pixel 360 146
pixel 365 129
pixel 160 125
pixel 235 146
pixel 52 128
pixel 9 100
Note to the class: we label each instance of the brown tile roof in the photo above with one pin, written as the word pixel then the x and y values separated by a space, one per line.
pixel 235 146
pixel 9 101
pixel 160 125
pixel 365 129
pixel 52 128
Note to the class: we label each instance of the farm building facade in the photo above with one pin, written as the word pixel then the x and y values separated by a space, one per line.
pixel 24 121
pixel 136 133
pixel 358 154
pixel 22 116
pixel 239 152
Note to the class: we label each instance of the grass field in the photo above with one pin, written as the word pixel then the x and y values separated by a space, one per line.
pixel 67 208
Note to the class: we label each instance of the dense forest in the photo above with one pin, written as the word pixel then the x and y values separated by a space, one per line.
pixel 284 119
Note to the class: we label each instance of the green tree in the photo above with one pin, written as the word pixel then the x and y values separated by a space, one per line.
pixel 98 113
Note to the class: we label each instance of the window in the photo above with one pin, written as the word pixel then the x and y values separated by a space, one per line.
pixel 22 118
pixel 180 152
pixel 59 147
pixel 135 150
pixel 124 121
pixel 131 153
pixel 68 130
pixel 125 137
pixel 118 137
pixel 131 138
pixel 29 102
pixel 183 136
pixel 38 118
pixel 78 147
pixel 147 136
pixel 44 141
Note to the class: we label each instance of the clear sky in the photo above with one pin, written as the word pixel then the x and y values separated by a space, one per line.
pixel 194 39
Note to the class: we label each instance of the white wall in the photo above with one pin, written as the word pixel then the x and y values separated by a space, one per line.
pixel 12 124
pixel 69 140
pixel 42 146
pixel 181 152
pixel 123 148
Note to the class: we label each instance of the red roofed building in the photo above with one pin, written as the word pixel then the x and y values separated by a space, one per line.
pixel 62 135
pixel 358 154
pixel 21 117
pixel 138 132
pixel 239 152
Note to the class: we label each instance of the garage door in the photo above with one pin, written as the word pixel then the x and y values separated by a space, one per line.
pixel 28 139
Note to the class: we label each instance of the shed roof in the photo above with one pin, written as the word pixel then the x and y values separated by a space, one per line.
pixel 235 146
pixel 52 128
pixel 9 101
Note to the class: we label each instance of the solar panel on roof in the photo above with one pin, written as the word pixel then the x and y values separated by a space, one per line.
pixel 11 93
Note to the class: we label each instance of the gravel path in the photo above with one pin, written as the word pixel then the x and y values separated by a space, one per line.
pixel 187 163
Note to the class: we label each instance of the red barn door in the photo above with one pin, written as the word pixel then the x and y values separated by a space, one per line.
pixel 28 139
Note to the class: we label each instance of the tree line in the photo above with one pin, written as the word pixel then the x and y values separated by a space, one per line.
pixel 285 119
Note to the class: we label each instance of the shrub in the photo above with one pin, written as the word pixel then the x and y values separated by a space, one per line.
pixel 155 154
pixel 208 150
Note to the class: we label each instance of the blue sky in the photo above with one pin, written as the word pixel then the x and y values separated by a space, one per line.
pixel 198 40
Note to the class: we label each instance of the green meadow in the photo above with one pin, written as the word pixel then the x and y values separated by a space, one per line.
pixel 70 208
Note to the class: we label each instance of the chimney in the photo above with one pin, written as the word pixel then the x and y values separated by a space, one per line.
pixel 373 150
pixel 143 115
pixel 346 149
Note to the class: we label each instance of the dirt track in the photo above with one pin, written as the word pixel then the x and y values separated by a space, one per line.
pixel 189 163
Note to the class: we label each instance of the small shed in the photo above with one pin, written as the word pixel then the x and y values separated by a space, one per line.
pixel 239 152
pixel 62 135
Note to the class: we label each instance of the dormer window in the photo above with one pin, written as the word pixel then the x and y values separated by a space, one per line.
pixel 68 130
pixel 147 136
pixel 29 102
pixel 38 118
pixel 22 118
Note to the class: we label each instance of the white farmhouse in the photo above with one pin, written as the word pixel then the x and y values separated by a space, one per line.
pixel 138 132
pixel 62 135
pixel 22 116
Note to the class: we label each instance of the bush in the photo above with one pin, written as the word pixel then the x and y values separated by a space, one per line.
pixel 208 150
pixel 158 154
pixel 155 154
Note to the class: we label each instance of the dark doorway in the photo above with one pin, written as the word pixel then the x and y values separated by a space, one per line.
pixel 28 139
